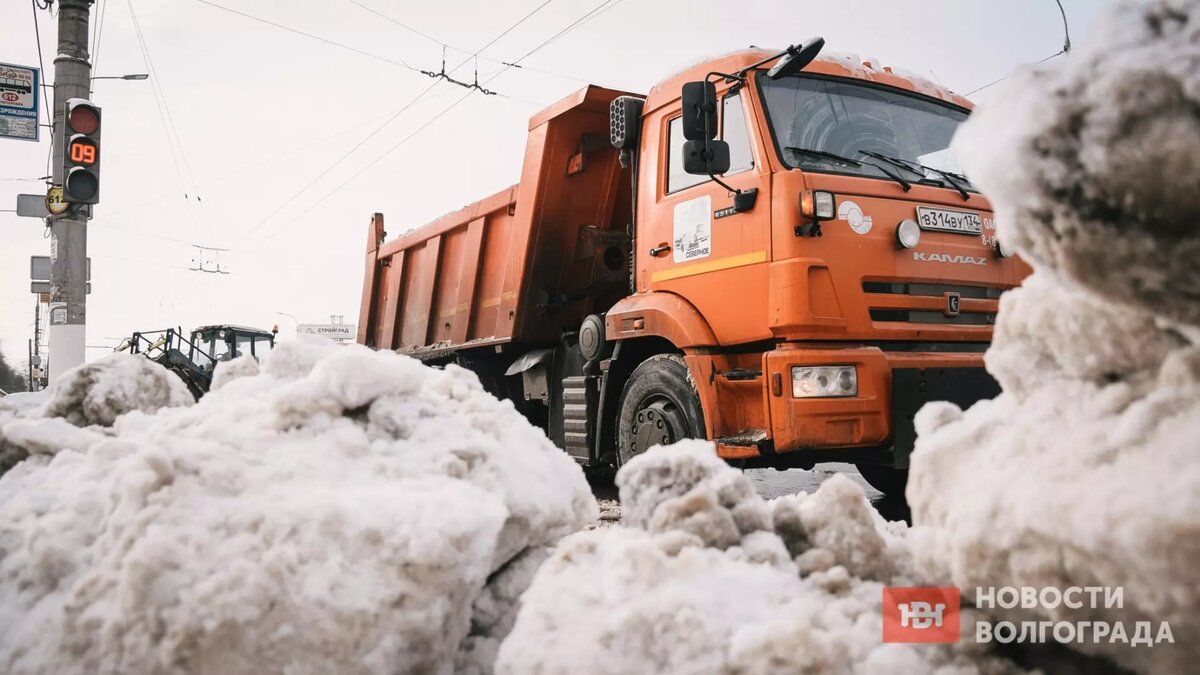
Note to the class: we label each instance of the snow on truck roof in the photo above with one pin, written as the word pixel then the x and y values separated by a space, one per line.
pixel 827 63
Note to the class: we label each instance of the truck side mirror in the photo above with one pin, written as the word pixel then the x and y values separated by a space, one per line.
pixel 705 158
pixel 699 111
pixel 796 57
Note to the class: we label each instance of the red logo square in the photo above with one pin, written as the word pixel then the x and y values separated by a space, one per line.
pixel 912 614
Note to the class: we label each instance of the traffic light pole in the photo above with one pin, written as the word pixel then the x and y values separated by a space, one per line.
pixel 68 233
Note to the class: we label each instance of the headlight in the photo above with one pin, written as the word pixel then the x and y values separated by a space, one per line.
pixel 824 381
pixel 1004 250
pixel 817 205
pixel 908 233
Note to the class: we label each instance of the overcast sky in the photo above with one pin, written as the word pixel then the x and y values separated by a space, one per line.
pixel 260 113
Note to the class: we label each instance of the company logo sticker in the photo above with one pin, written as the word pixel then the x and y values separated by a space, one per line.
pixel 852 214
pixel 920 614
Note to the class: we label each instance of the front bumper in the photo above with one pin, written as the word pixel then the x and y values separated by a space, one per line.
pixel 892 387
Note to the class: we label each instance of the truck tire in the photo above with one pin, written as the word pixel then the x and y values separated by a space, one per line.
pixel 888 480
pixel 659 405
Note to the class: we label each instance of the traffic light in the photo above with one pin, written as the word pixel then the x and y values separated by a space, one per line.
pixel 81 153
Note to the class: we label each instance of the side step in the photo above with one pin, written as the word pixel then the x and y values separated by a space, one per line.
pixel 579 408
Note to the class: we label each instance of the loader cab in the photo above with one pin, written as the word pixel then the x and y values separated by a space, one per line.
pixel 226 342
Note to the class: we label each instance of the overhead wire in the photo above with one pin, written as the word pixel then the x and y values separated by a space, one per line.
pixel 37 32
pixel 168 120
pixel 249 233
pixel 97 35
pixel 1065 48
pixel 327 41
pixel 570 27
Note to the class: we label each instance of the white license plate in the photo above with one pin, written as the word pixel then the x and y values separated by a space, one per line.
pixel 945 220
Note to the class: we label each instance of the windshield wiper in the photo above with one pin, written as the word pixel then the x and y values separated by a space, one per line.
pixel 915 168
pixel 822 153
pixel 887 172
pixel 852 162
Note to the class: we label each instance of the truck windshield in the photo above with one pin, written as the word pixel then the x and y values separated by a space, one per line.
pixel 820 123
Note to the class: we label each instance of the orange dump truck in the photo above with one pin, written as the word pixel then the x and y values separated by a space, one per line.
pixel 770 250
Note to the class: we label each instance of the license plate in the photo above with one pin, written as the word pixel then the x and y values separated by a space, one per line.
pixel 945 220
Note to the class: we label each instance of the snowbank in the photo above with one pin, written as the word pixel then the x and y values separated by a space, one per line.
pixel 716 580
pixel 99 392
pixel 90 397
pixel 343 510
pixel 1085 471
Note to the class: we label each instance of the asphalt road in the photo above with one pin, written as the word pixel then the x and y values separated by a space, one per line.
pixel 771 484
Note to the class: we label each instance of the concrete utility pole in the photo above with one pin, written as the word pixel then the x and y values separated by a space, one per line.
pixel 68 234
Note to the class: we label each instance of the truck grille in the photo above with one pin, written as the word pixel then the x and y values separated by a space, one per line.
pixel 936 290
pixel 911 302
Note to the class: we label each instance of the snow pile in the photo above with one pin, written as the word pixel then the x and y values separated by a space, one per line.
pixel 1085 471
pixel 717 580
pixel 93 395
pixel 343 511
pixel 99 392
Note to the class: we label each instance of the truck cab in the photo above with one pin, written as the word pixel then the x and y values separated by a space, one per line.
pixel 225 342
pixel 775 251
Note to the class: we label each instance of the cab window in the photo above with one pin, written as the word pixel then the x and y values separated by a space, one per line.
pixel 733 131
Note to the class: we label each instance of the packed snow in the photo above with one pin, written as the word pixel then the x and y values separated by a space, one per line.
pixel 707 577
pixel 87 399
pixel 1085 472
pixel 342 510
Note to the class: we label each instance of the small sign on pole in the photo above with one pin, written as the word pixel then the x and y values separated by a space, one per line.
pixel 43 288
pixel 20 94
pixel 55 202
pixel 32 206
pixel 39 268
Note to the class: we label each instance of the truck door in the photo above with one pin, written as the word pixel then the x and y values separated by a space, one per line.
pixel 692 243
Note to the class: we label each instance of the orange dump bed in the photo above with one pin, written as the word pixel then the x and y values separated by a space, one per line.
pixel 522 265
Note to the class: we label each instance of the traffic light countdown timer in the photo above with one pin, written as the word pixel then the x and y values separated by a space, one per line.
pixel 81 156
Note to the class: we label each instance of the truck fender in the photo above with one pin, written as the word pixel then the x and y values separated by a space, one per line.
pixel 658 314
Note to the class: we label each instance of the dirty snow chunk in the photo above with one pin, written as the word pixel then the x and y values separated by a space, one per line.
pixel 48 436
pixel 228 371
pixel 240 536
pixel 1084 471
pixel 672 598
pixel 1063 488
pixel 1107 141
pixel 1049 330
pixel 101 391
pixel 838 519
pixel 495 610
pixel 686 486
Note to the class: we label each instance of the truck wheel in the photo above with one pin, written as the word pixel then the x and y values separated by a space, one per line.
pixel 659 405
pixel 888 480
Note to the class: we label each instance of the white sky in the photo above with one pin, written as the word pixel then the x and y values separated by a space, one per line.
pixel 261 112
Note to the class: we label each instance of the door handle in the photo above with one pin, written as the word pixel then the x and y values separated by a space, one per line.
pixel 660 249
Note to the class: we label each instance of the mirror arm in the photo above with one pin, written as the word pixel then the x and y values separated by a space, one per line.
pixel 737 77
pixel 723 184
pixel 741 74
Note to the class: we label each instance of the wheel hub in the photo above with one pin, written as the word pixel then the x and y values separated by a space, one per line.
pixel 658 422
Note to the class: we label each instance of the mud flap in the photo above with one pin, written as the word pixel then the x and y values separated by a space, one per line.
pixel 912 388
